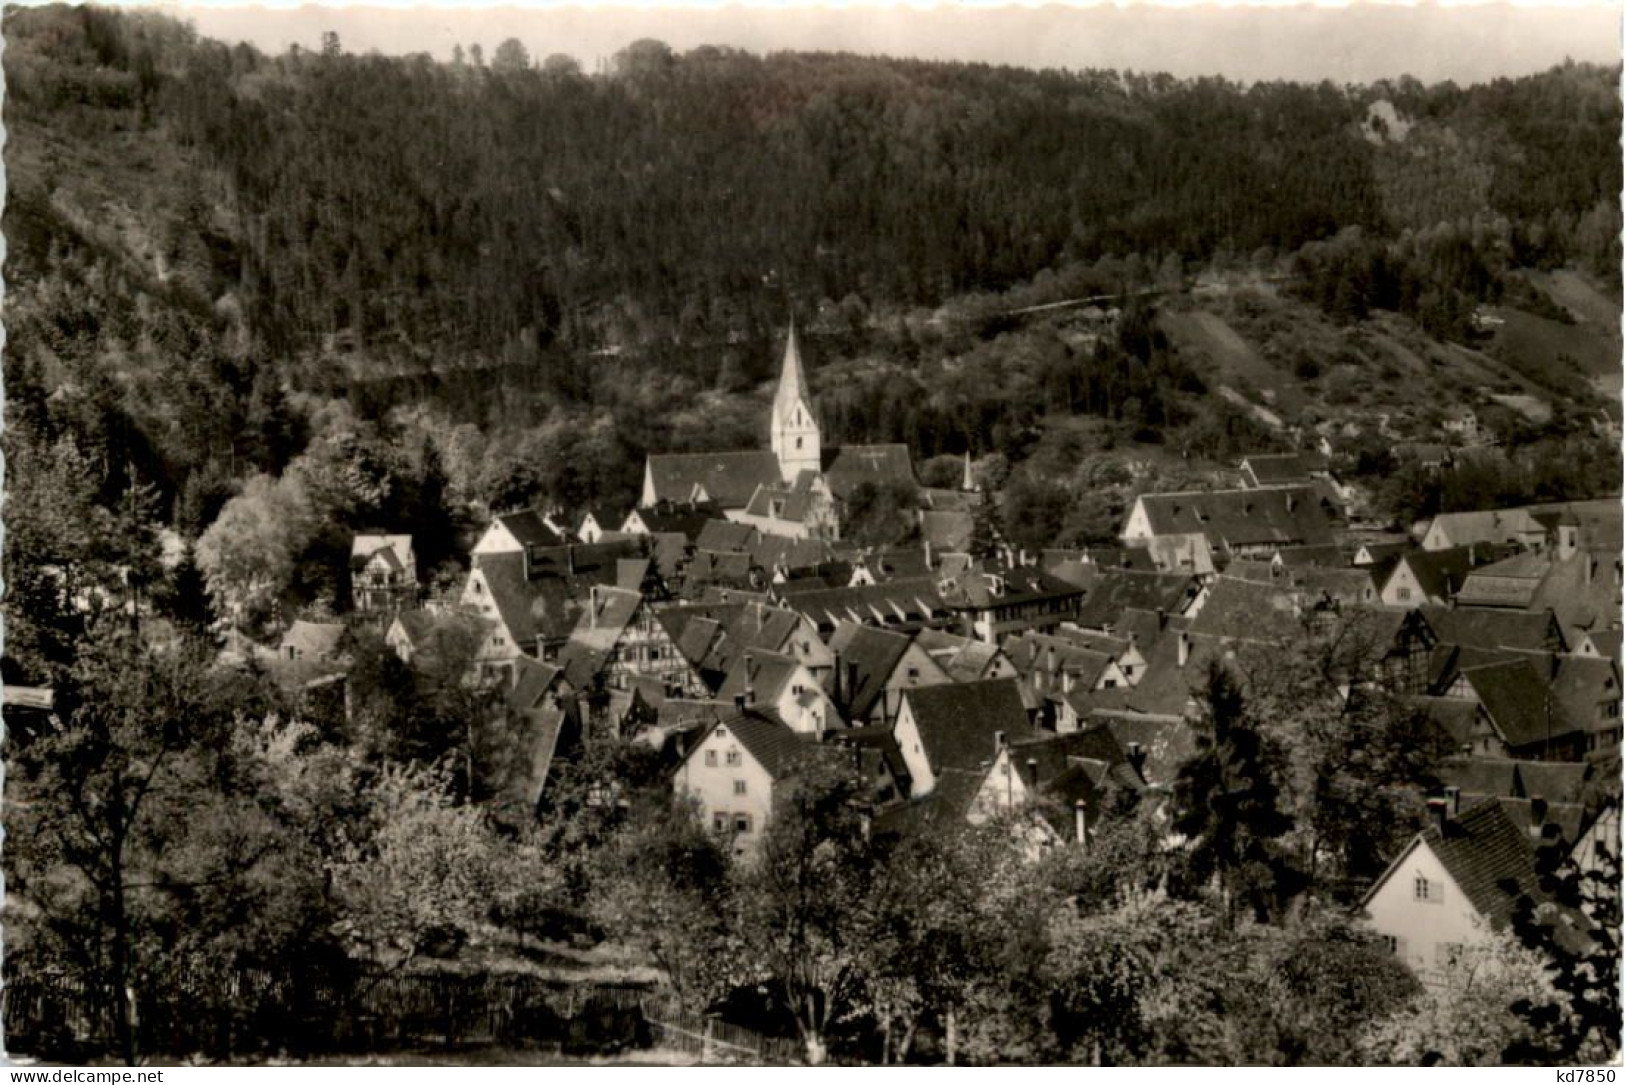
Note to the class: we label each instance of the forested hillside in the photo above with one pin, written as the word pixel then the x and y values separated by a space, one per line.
pixel 557 271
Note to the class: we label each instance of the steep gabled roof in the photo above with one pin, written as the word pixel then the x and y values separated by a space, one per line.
pixel 727 478
pixel 1495 777
pixel 865 659
pixel 396 550
pixel 1054 656
pixel 532 682
pixel 790 555
pixel 980 588
pixel 882 739
pixel 1487 627
pixel 1167 742
pixel 1144 628
pixel 1582 682
pixel 529 528
pixel 1455 717
pixel 774 746
pixel 848 467
pixel 315 640
pixel 1482 849
pixel 1284 516
pixel 680 519
pixel 1519 702
pixel 1167 688
pixel 1055 754
pixel 1242 610
pixel 604 619
pixel 959 723
pixel 966 659
pixel 725 536
pixel 1113 591
pixel 1278 469
pixel 759 674
pixel 910 601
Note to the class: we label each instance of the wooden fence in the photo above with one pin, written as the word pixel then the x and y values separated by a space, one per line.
pixel 715 1041
pixel 249 1012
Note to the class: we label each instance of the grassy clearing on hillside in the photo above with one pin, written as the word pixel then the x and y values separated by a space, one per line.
pixel 1559 357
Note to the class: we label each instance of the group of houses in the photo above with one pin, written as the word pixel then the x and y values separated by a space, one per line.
pixel 724 622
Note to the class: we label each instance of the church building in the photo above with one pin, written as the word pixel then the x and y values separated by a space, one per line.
pixel 792 488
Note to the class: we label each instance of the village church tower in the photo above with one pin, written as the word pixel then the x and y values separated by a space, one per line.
pixel 794 430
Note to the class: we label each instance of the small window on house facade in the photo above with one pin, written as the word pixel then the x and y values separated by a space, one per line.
pixel 734 759
pixel 1404 595
pixel 741 823
pixel 913 673
pixel 1391 944
pixel 719 822
pixel 739 787
pixel 1425 890
pixel 710 759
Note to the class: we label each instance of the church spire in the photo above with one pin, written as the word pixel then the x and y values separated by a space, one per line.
pixel 792 381
pixel 793 428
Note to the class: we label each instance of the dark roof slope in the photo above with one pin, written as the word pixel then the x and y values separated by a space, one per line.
pixel 865 659
pixel 1485 627
pixel 728 478
pixel 959 723
pixel 1519 701
pixel 530 529
pixel 1110 592
pixel 774 746
pixel 1287 516
pixel 1244 610
pixel 1482 849
pixel 848 467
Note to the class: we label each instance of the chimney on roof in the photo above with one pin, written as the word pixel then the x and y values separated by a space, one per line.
pixel 1136 757
pixel 1537 817
pixel 592 607
pixel 1184 647
pixel 739 701
pixel 1452 798
pixel 998 743
pixel 1439 813
pixel 1032 775
pixel 1081 823
pixel 1162 619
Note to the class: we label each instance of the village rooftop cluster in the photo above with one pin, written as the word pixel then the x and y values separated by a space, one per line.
pixel 725 623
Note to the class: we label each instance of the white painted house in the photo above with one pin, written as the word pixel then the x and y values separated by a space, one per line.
pixel 731 772
pixel 1441 899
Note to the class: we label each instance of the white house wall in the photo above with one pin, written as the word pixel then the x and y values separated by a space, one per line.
pixel 1424 931
pixel 712 787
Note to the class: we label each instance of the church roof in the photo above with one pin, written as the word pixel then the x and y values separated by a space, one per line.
pixel 729 479
pixel 848 467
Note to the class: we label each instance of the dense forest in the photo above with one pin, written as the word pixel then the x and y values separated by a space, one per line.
pixel 517 278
